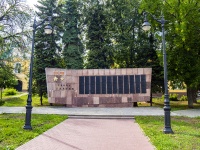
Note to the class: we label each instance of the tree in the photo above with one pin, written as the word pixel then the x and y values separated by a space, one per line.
pixel 100 51
pixel 14 19
pixel 133 48
pixel 46 46
pixel 73 47
pixel 7 78
pixel 15 16
pixel 182 41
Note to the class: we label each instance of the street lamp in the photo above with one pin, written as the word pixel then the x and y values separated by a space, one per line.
pixel 146 26
pixel 47 30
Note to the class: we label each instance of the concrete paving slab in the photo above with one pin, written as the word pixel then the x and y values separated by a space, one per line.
pixel 188 112
pixel 87 111
pixel 79 111
pixel 91 134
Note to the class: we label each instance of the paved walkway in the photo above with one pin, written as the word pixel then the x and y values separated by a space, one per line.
pixel 135 111
pixel 95 134
pixel 91 134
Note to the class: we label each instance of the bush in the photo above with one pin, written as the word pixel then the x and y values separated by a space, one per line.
pixel 10 92
pixel 173 97
pixel 1 102
pixel 183 98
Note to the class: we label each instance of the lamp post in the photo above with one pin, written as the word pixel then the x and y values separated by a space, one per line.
pixel 48 30
pixel 146 26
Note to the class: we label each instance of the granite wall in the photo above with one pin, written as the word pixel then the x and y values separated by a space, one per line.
pixel 98 87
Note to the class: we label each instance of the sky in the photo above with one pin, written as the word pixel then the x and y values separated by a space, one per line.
pixel 31 3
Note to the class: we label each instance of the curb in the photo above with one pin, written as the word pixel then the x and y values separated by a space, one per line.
pixel 100 117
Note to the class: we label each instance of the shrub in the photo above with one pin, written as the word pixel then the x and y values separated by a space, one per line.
pixel 10 92
pixel 1 102
pixel 183 98
pixel 173 97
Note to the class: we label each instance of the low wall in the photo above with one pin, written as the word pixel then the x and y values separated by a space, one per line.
pixel 98 87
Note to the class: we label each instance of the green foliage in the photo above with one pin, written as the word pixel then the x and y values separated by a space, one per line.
pixel 73 47
pixel 1 102
pixel 173 97
pixel 7 78
pixel 182 41
pixel 10 91
pixel 100 51
pixel 15 17
pixel 183 98
pixel 11 128
pixel 46 46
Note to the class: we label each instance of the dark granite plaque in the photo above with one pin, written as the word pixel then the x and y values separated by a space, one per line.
pixel 132 83
pixel 114 84
pixel 98 85
pixel 109 84
pixel 103 85
pixel 92 84
pixel 143 83
pixel 137 83
pixel 81 85
pixel 87 84
pixel 120 84
pixel 126 85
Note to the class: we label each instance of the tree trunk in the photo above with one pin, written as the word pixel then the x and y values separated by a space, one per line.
pixel 41 98
pixel 191 94
pixel 135 104
pixel 1 93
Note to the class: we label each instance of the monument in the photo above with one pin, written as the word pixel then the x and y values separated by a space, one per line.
pixel 98 87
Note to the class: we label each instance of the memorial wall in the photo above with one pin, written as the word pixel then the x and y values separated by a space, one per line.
pixel 98 87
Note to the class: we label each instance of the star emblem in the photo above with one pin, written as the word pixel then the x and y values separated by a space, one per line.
pixel 55 78
pixel 61 78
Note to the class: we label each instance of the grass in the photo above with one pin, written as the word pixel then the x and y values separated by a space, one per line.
pixel 186 132
pixel 22 100
pixel 12 132
pixel 175 105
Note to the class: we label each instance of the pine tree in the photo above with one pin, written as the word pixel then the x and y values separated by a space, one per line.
pixel 73 48
pixel 100 54
pixel 46 48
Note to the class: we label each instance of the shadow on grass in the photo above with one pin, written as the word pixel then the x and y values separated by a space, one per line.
pixel 17 101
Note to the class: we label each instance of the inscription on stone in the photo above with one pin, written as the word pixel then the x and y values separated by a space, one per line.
pixel 127 84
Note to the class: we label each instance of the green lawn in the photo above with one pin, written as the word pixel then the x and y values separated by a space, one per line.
pixel 186 132
pixel 22 101
pixel 175 105
pixel 12 133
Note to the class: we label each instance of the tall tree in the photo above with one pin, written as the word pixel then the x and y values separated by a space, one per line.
pixel 133 48
pixel 46 46
pixel 73 47
pixel 182 41
pixel 15 16
pixel 100 51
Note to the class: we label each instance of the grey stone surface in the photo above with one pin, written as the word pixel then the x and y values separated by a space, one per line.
pixel 135 111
